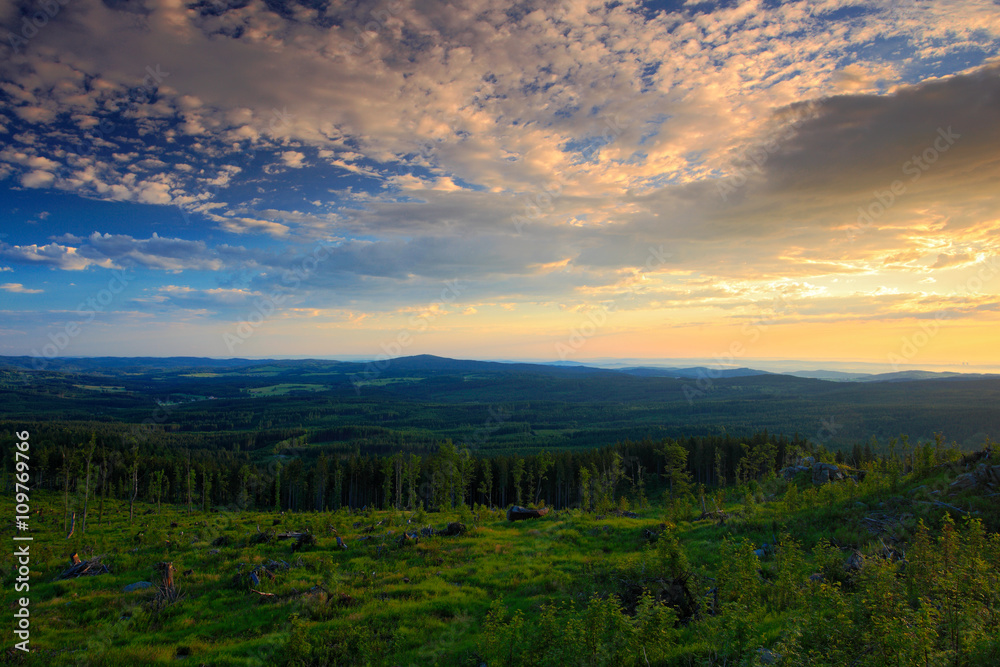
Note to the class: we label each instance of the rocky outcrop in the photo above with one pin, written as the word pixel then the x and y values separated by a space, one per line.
pixel 820 473
pixel 791 472
pixel 983 475
pixel 826 472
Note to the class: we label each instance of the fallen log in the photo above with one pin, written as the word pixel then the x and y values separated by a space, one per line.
pixel 517 513
pixel 290 536
pixel 87 568
pixel 945 505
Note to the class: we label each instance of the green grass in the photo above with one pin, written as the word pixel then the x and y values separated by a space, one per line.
pixel 429 603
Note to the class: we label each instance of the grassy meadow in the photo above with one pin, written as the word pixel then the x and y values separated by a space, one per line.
pixel 570 588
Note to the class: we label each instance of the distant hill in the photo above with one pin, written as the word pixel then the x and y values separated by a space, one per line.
pixel 906 376
pixel 87 364
pixel 837 376
pixel 423 399
pixel 691 373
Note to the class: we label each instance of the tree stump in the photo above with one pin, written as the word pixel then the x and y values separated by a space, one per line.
pixel 166 572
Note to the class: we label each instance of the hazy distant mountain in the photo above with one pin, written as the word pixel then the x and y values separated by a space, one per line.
pixel 432 363
pixel 77 364
pixel 831 375
pixel 694 372
pixel 905 376
pixel 428 364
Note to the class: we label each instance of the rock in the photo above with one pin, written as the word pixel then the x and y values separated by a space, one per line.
pixel 767 657
pixel 965 481
pixel 790 472
pixel 855 561
pixel 137 586
pixel 825 472
pixel 807 461
pixel 816 576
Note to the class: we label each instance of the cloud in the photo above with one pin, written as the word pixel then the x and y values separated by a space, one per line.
pixel 37 179
pixel 18 288
pixel 53 254
pixel 293 159
pixel 248 225
pixel 543 155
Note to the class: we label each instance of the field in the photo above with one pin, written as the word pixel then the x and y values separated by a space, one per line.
pixel 573 587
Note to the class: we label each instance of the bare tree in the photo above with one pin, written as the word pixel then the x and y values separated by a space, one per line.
pixel 135 483
pixel 104 484
pixel 190 480
pixel 65 489
pixel 86 492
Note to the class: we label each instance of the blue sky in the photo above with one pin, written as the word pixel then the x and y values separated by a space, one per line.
pixel 615 180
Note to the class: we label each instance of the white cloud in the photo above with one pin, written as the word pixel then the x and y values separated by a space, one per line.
pixel 293 159
pixel 18 288
pixel 37 179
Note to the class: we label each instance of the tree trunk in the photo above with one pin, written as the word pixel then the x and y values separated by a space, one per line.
pixel 65 491
pixel 135 491
pixel 86 492
pixel 104 486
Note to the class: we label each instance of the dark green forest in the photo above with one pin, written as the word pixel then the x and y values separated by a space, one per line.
pixel 315 435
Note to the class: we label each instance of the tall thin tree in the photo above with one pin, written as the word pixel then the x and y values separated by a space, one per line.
pixel 86 492
pixel 135 484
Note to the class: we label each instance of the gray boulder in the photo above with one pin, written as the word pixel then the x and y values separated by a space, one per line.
pixel 137 586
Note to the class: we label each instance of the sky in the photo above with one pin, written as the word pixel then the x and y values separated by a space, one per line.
pixel 734 181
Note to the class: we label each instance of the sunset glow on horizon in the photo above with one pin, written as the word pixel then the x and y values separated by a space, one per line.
pixel 572 181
